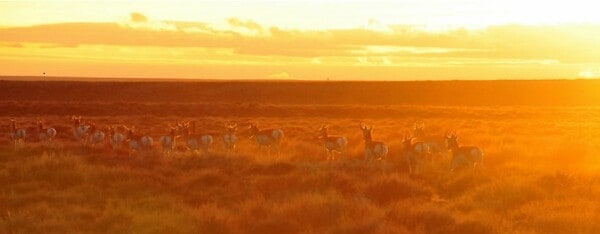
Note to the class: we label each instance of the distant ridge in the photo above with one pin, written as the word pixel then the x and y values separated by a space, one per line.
pixel 436 93
pixel 142 79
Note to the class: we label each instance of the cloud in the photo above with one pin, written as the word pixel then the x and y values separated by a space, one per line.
pixel 249 24
pixel 560 43
pixel 137 17
pixel 13 45
pixel 280 76
pixel 141 22
pixel 590 73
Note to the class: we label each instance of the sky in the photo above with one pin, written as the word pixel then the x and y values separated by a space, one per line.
pixel 302 40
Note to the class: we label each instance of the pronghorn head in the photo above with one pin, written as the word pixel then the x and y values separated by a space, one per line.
pixel 232 127
pixel 184 128
pixel 252 129
pixel 13 124
pixel 76 120
pixel 367 131
pixel 418 130
pixel 173 132
pixel 130 132
pixel 40 124
pixel 93 127
pixel 451 141
pixel 323 131
pixel 191 126
pixel 181 127
pixel 407 142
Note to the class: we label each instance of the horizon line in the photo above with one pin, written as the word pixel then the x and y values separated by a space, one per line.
pixel 179 79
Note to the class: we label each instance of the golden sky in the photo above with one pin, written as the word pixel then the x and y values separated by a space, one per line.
pixel 336 40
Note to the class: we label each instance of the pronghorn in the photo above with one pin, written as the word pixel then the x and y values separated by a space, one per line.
pixel 196 141
pixel 332 144
pixel 138 142
pixel 80 131
pixel 97 135
pixel 115 138
pixel 373 149
pixel 230 139
pixel 167 142
pixel 434 144
pixel 270 138
pixel 17 135
pixel 45 135
pixel 463 155
pixel 415 153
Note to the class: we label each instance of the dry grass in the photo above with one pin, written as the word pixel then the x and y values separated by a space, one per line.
pixel 540 174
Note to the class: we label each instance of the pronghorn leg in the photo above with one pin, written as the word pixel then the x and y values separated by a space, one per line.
pixel 408 161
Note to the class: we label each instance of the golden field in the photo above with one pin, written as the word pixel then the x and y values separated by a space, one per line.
pixel 540 170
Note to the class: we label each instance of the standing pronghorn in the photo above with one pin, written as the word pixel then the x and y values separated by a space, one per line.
pixel 463 155
pixel 17 135
pixel 433 143
pixel 373 149
pixel 167 142
pixel 96 137
pixel 138 142
pixel 230 139
pixel 332 144
pixel 196 141
pixel 80 131
pixel 115 138
pixel 45 135
pixel 270 138
pixel 415 153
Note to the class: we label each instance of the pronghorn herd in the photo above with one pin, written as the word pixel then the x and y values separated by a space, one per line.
pixel 417 148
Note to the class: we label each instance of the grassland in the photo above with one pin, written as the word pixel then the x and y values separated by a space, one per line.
pixel 540 172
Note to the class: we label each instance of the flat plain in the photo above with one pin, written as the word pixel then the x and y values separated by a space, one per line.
pixel 540 172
